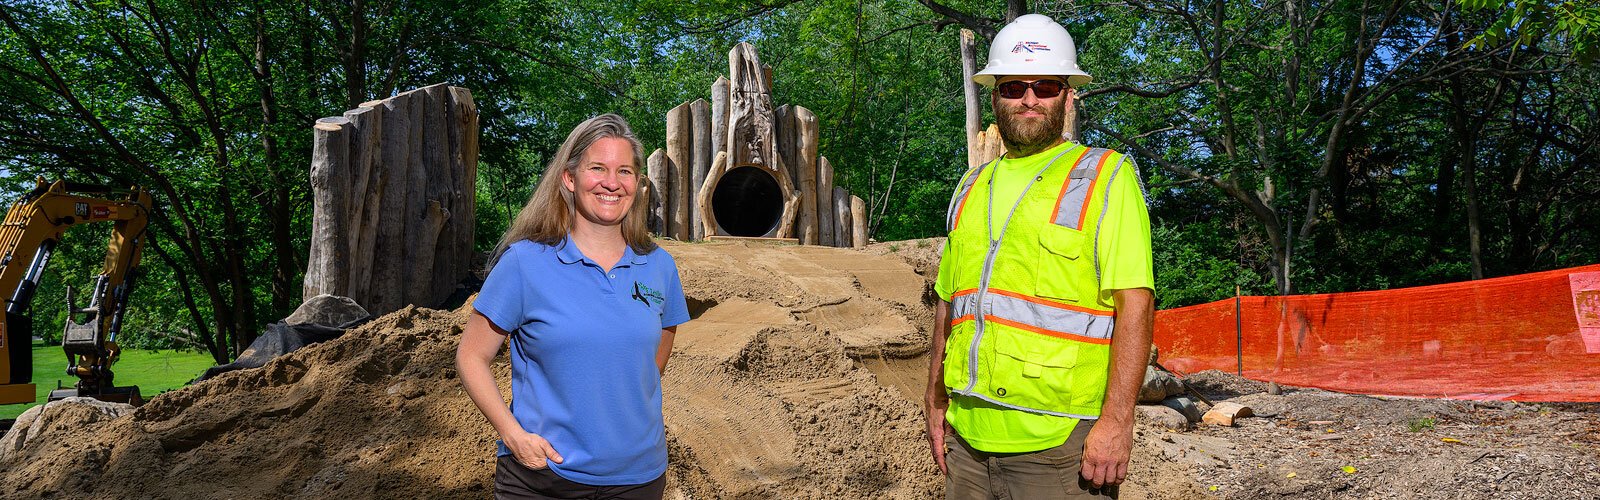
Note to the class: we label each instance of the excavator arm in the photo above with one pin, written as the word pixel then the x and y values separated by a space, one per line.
pixel 32 229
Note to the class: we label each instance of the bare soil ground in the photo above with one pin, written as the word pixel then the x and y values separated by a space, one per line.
pixel 801 377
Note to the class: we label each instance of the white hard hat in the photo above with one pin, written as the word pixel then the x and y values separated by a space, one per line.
pixel 1032 45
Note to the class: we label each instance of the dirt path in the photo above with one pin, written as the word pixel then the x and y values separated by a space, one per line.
pixel 801 377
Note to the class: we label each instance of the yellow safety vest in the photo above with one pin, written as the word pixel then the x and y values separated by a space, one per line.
pixel 1027 331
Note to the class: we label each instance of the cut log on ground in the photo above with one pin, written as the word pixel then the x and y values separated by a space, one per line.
pixel 1227 413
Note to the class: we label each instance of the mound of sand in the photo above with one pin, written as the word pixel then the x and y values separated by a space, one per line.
pixel 793 382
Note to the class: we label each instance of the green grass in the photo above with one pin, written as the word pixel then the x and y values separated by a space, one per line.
pixel 1420 424
pixel 153 371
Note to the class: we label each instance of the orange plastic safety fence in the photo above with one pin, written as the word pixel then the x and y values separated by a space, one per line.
pixel 1531 337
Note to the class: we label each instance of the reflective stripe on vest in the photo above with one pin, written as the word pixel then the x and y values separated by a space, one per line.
pixel 1045 317
pixel 1073 202
pixel 959 200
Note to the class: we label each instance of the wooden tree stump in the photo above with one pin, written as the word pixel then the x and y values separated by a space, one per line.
pixel 393 225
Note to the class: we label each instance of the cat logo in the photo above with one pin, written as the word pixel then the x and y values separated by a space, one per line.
pixel 81 209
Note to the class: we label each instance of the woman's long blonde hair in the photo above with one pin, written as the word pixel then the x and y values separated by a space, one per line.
pixel 548 216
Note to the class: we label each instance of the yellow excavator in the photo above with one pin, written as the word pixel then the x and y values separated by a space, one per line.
pixel 32 229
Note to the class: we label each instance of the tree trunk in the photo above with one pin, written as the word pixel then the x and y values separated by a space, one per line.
pixel 969 94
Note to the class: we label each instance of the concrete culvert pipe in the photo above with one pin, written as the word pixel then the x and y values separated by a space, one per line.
pixel 747 201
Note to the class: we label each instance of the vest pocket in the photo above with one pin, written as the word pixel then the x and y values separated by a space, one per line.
pixel 1033 371
pixel 965 253
pixel 1062 263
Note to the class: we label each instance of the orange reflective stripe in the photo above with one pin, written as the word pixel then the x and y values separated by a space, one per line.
pixel 1084 212
pixel 1068 182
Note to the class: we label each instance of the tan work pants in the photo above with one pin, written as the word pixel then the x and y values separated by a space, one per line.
pixel 1047 474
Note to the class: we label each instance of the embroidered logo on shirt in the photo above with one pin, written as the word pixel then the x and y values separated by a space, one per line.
pixel 643 293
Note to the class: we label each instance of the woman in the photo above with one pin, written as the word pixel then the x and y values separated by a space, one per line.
pixel 590 305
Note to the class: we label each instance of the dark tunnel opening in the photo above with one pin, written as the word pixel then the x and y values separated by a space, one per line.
pixel 747 202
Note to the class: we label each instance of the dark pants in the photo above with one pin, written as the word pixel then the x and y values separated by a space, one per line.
pixel 1047 474
pixel 513 480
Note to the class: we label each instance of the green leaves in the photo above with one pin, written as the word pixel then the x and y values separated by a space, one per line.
pixel 1574 24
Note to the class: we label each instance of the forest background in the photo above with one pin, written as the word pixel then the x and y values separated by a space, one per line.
pixel 1289 146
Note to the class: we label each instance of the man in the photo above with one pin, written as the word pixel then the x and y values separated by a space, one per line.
pixel 1045 285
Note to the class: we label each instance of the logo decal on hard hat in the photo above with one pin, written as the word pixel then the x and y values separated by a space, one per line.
pixel 1030 47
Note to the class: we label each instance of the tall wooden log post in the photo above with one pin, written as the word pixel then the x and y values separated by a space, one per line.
pixel 438 195
pixel 680 145
pixel 464 152
pixel 327 267
pixel 750 128
pixel 783 133
pixel 700 161
pixel 826 216
pixel 858 221
pixel 841 218
pixel 366 128
pixel 387 276
pixel 719 115
pixel 806 156
pixel 660 189
pixel 969 93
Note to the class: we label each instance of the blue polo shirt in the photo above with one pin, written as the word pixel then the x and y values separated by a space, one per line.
pixel 583 355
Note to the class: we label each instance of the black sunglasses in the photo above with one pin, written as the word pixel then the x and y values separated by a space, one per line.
pixel 1043 89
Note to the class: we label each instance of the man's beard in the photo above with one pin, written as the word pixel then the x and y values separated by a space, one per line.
pixel 1026 137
